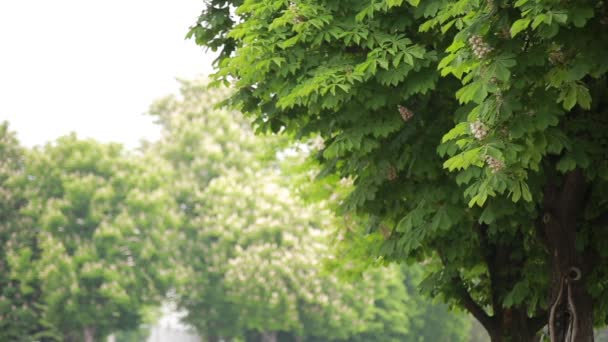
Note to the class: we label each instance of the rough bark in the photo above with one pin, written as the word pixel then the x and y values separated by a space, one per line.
pixel 571 309
pixel 270 336
pixel 89 334
pixel 515 325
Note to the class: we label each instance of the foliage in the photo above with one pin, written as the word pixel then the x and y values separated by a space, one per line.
pixel 20 302
pixel 202 144
pixel 104 221
pixel 429 321
pixel 463 123
pixel 252 249
pixel 455 326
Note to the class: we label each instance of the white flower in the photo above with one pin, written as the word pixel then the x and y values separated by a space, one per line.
pixel 479 130
pixel 480 48
pixel 494 164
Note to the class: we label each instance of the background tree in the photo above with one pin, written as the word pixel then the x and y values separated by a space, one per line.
pixel 105 221
pixel 20 303
pixel 482 169
pixel 201 144
pixel 252 250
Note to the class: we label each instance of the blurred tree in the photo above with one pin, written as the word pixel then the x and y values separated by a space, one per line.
pixel 274 247
pixel 20 302
pixel 202 143
pixel 105 224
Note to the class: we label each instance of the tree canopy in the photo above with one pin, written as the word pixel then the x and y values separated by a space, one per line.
pixel 21 305
pixel 474 132
pixel 103 222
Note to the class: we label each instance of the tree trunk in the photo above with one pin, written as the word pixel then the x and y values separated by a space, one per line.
pixel 571 306
pixel 89 334
pixel 571 309
pixel 514 325
pixel 270 336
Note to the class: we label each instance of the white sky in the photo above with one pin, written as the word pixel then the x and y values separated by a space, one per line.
pixel 93 67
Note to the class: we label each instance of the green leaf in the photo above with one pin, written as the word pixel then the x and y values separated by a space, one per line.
pixel 487 215
pixel 525 191
pixel 519 25
pixel 574 93
pixel 539 20
pixel 517 295
pixel 559 17
pixel 583 97
pixel 458 130
pixel 289 42
pixel 516 192
pixel 475 91
pixel 580 15
pixel 479 199
pixel 464 160
pixel 569 99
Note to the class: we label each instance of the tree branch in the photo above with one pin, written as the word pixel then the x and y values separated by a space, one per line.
pixel 468 302
pixel 537 322
pixel 472 306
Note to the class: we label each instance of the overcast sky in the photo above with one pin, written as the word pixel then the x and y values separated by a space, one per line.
pixel 93 67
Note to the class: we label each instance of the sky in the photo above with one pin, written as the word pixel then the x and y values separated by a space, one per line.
pixel 93 67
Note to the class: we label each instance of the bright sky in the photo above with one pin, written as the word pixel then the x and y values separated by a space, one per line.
pixel 93 67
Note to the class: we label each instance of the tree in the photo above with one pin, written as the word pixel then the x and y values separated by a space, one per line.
pixel 474 131
pixel 201 144
pixel 20 303
pixel 104 221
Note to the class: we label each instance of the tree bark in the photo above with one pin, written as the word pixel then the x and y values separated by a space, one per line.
pixel 571 306
pixel 515 325
pixel 270 336
pixel 89 334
